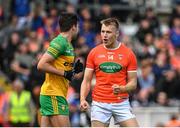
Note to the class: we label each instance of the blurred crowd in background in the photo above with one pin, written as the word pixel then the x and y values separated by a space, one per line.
pixel 28 26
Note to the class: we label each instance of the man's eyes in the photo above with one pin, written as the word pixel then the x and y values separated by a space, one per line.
pixel 106 31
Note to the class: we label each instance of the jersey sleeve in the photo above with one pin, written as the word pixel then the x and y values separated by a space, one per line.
pixel 132 65
pixel 90 60
pixel 56 49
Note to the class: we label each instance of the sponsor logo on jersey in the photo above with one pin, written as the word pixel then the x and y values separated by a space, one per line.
pixel 110 67
pixel 68 64
pixel 68 51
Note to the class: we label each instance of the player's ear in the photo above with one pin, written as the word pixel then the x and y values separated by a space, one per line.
pixel 74 27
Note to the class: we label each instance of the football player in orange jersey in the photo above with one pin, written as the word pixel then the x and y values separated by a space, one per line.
pixel 115 68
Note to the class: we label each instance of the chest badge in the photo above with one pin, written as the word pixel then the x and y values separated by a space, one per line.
pixel 120 56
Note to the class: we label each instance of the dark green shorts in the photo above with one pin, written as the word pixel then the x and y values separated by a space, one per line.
pixel 53 105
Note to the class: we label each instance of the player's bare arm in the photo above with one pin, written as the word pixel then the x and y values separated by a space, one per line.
pixel 130 86
pixel 45 65
pixel 132 82
pixel 85 88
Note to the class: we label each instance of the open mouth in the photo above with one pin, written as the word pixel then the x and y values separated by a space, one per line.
pixel 105 40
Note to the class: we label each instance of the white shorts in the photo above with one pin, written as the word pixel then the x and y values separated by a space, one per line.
pixel 104 111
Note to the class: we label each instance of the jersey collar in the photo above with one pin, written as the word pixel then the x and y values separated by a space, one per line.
pixel 113 48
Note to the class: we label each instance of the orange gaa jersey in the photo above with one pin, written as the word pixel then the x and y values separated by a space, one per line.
pixel 111 67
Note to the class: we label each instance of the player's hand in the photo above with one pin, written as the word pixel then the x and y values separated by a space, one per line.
pixel 69 74
pixel 118 89
pixel 78 66
pixel 84 105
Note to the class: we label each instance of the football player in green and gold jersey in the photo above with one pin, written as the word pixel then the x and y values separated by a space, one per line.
pixel 58 63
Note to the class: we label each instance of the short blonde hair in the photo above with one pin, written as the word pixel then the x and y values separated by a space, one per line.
pixel 111 21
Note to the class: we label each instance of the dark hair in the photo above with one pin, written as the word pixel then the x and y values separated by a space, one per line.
pixel 67 20
pixel 111 21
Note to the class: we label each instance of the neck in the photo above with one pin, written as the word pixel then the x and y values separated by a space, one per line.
pixel 114 45
pixel 67 35
pixel 19 93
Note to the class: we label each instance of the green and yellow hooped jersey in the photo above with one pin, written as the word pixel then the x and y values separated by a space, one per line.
pixel 63 53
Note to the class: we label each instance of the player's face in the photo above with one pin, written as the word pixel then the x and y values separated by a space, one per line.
pixel 109 35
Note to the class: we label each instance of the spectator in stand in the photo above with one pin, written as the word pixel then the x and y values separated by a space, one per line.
pixel 22 62
pixel 81 47
pixel 162 100
pixel 22 9
pixel 110 1
pixel 146 82
pixel 173 122
pixel 147 48
pixel 1 16
pixel 36 77
pixel 169 83
pixel 85 15
pixel 105 12
pixel 48 31
pixel 88 34
pixel 53 13
pixel 175 32
pixel 175 13
pixel 37 19
pixel 149 44
pixel 70 8
pixel 20 106
pixel 3 107
pixel 161 64
pixel 175 60
pixel 1 58
pixel 163 43
pixel 10 28
pixel 10 50
pixel 154 22
pixel 144 28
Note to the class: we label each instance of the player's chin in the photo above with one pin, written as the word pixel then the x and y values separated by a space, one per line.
pixel 105 43
pixel 75 36
pixel 83 109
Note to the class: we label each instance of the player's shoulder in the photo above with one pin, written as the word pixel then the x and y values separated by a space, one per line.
pixel 126 49
pixel 59 40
